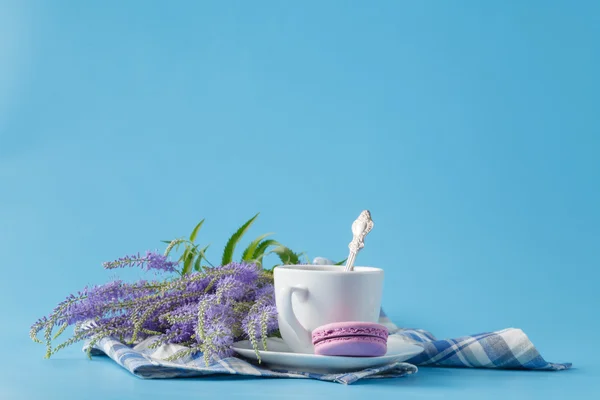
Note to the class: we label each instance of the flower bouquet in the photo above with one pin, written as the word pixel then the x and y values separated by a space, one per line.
pixel 204 307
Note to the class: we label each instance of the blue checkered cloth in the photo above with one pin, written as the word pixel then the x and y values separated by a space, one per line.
pixel 505 349
pixel 508 349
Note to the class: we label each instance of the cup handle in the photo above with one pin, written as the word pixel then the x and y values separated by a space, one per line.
pixel 303 335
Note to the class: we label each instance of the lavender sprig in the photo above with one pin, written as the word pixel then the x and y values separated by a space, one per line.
pixel 151 261
pixel 207 311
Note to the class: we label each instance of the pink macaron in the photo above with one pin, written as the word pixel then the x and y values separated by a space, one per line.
pixel 350 339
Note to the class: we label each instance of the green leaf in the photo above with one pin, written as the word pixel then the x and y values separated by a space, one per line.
pixel 197 266
pixel 188 255
pixel 276 334
pixel 262 248
pixel 184 255
pixel 341 262
pixel 248 254
pixel 195 231
pixel 201 256
pixel 166 241
pixel 305 256
pixel 233 241
pixel 203 251
pixel 286 255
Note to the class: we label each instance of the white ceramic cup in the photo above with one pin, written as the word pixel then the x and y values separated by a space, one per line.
pixel 308 296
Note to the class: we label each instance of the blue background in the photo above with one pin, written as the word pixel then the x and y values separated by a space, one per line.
pixel 469 129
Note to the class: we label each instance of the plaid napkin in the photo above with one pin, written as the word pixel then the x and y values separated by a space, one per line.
pixel 149 363
pixel 508 348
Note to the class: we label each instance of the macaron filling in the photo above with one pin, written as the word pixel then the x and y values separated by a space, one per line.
pixel 354 339
pixel 374 339
pixel 321 335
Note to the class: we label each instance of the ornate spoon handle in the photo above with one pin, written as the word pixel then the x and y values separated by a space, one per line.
pixel 360 228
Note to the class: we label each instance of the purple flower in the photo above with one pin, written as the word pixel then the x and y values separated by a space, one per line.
pixel 207 310
pixel 266 292
pixel 231 288
pixel 261 322
pixel 102 300
pixel 244 272
pixel 151 261
pixel 215 312
pixel 220 333
pixel 182 322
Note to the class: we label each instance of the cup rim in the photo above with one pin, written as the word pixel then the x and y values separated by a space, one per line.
pixel 335 269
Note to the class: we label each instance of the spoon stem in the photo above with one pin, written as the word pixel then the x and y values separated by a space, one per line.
pixel 360 228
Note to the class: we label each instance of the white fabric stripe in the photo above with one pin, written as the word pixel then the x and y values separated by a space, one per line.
pixel 480 354
pixel 519 344
pixel 227 367
pixel 450 349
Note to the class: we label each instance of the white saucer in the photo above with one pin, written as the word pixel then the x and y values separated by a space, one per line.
pixel 280 356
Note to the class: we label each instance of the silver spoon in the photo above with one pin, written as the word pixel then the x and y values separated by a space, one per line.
pixel 360 228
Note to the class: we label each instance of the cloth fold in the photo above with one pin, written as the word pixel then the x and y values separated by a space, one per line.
pixel 505 349
pixel 142 362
